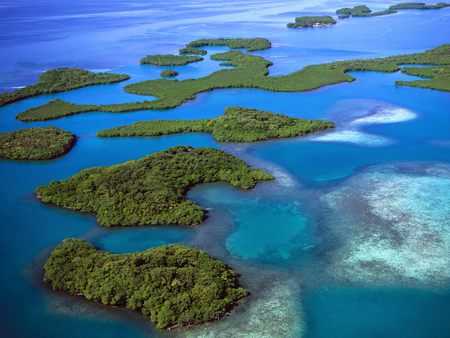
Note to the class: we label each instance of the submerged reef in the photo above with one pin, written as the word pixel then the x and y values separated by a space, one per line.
pixel 312 21
pixel 169 60
pixel 238 124
pixel 172 285
pixel 151 190
pixel 40 143
pixel 59 80
pixel 250 44
pixel 393 226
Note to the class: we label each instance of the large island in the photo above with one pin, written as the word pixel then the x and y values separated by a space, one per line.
pixel 171 285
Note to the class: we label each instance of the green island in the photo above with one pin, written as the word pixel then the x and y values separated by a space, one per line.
pixel 169 73
pixel 171 285
pixel 364 11
pixel 238 124
pixel 312 21
pixel 250 44
pixel 59 80
pixel 251 71
pixel 151 190
pixel 40 143
pixel 53 110
pixel 169 60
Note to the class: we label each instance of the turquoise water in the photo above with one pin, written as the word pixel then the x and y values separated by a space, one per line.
pixel 351 239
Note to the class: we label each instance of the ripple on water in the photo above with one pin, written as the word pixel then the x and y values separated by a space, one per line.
pixel 399 225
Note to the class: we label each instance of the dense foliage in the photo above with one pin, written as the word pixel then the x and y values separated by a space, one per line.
pixel 236 125
pixel 170 60
pixel 172 285
pixel 61 79
pixel 419 5
pixel 35 143
pixel 250 71
pixel 250 44
pixel 53 110
pixel 437 77
pixel 312 21
pixel 364 11
pixel 150 190
pixel 169 73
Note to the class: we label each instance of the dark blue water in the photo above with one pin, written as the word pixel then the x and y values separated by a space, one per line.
pixel 318 247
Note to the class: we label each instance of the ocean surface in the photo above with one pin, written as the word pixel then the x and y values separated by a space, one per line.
pixel 352 239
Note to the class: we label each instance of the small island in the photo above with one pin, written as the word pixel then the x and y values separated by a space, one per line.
pixel 40 143
pixel 419 5
pixel 170 60
pixel 53 110
pixel 250 44
pixel 152 190
pixel 238 124
pixel 312 21
pixel 168 73
pixel 59 80
pixel 172 285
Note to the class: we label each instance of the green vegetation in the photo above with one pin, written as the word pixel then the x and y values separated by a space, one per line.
pixel 172 285
pixel 250 44
pixel 250 71
pixel 35 143
pixel 236 125
pixel 419 5
pixel 59 80
pixel 150 190
pixel 437 78
pixel 364 11
pixel 170 60
pixel 312 21
pixel 169 73
pixel 53 110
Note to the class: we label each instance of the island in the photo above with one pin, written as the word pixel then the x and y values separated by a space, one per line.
pixel 312 21
pixel 169 60
pixel 238 124
pixel 250 44
pixel 251 71
pixel 39 143
pixel 364 11
pixel 172 285
pixel 53 110
pixel 169 73
pixel 59 80
pixel 152 190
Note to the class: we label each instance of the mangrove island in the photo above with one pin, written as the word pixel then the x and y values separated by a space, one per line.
pixel 59 80
pixel 40 143
pixel 169 73
pixel 169 60
pixel 172 285
pixel 238 124
pixel 151 190
pixel 312 21
pixel 249 44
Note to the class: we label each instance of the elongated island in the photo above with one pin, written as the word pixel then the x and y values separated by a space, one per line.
pixel 238 124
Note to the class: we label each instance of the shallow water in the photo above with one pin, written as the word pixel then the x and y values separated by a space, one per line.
pixel 332 248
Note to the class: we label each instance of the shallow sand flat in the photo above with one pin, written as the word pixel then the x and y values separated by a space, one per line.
pixel 398 228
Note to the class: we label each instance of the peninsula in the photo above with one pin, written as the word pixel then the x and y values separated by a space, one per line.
pixel 59 80
pixel 238 124
pixel 40 143
pixel 151 190
pixel 172 285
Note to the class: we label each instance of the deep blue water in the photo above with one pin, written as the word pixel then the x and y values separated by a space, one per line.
pixel 295 240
